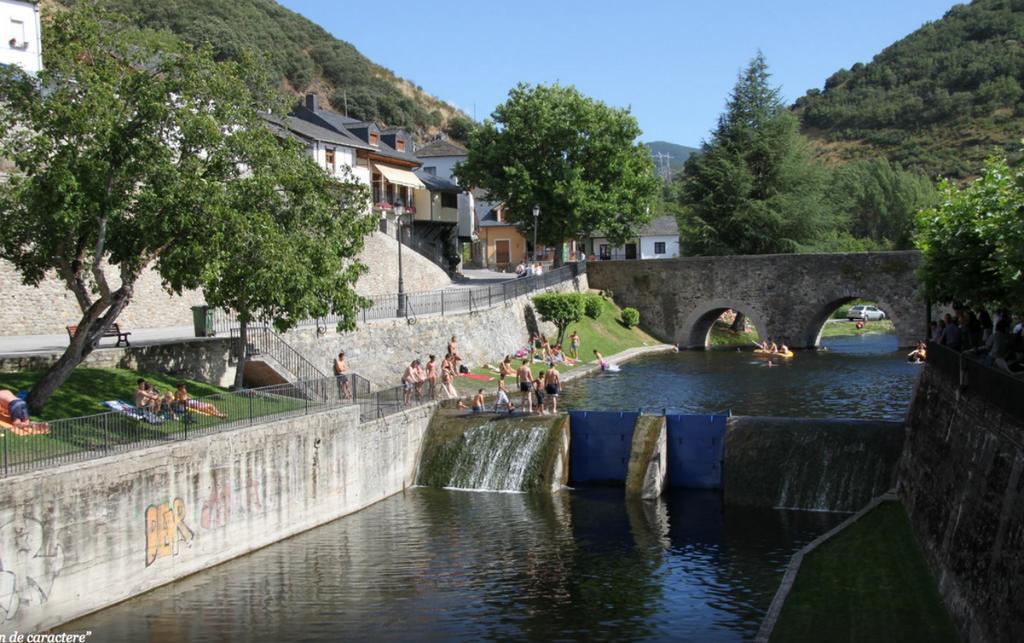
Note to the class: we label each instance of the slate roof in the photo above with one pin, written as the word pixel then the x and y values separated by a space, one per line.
pixel 658 227
pixel 341 124
pixel 437 184
pixel 440 147
pixel 490 220
pixel 310 131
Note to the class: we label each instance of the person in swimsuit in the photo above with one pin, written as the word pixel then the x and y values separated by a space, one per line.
pixel 523 376
pixel 502 402
pixel 432 377
pixel 506 369
pixel 600 360
pixel 408 382
pixel 575 344
pixel 340 368
pixel 478 401
pixel 552 386
pixel 538 393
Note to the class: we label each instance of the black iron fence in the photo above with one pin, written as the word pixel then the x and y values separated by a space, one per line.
pixel 436 302
pixel 995 385
pixel 96 436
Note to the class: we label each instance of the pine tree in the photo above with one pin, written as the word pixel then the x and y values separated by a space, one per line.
pixel 753 188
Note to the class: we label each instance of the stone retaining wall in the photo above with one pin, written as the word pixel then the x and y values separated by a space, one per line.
pixel 962 484
pixel 78 538
pixel 47 308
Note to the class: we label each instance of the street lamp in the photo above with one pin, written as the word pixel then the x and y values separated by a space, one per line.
pixel 399 211
pixel 536 215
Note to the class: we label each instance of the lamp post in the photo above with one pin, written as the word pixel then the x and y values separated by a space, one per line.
pixel 536 216
pixel 399 212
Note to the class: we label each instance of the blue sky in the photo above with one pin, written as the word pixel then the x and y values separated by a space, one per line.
pixel 672 63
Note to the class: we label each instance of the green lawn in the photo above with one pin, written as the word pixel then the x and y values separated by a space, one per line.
pixel 722 336
pixel 606 334
pixel 869 583
pixel 87 388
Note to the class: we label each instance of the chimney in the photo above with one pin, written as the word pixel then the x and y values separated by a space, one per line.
pixel 312 103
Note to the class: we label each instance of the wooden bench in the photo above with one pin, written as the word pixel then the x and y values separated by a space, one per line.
pixel 115 331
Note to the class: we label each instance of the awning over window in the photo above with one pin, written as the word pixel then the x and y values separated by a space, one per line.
pixel 400 177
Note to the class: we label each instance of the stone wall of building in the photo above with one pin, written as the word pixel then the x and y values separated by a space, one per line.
pixel 48 308
pixel 787 296
pixel 77 538
pixel 961 482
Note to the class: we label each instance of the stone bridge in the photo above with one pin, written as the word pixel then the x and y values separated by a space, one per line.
pixel 789 296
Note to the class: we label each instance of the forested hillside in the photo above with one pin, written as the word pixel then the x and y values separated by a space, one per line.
pixel 941 99
pixel 305 56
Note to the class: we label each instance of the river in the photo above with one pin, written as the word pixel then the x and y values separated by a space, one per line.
pixel 576 565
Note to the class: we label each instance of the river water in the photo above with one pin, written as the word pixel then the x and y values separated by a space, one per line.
pixel 435 564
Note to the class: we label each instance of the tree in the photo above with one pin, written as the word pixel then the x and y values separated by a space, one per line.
pixel 560 309
pixel 283 248
pixel 573 156
pixel 973 241
pixel 128 150
pixel 879 201
pixel 752 189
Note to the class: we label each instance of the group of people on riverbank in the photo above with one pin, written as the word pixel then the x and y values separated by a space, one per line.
pixel 535 269
pixel 997 341
pixel 170 405
pixel 419 376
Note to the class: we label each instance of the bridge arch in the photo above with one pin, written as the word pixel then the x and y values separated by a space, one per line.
pixel 815 324
pixel 702 317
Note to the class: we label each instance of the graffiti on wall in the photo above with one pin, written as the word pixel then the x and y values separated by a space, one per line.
pixel 223 502
pixel 166 529
pixel 28 567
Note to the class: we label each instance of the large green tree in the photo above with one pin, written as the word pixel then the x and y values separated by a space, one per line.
pixel 575 157
pixel 753 189
pixel 973 241
pixel 879 201
pixel 130 151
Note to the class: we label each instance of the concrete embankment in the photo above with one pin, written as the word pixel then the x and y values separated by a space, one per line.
pixel 78 538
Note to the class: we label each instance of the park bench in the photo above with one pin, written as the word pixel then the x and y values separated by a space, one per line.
pixel 115 331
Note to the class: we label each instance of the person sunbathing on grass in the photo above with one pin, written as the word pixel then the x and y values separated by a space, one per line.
pixel 184 401
pixel 145 399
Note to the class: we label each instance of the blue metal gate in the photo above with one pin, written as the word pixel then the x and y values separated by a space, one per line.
pixel 599 446
pixel 695 445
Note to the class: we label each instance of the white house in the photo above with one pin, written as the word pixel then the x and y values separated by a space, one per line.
pixel 22 37
pixel 439 158
pixel 659 239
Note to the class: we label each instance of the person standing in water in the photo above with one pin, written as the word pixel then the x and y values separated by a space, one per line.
pixel 552 386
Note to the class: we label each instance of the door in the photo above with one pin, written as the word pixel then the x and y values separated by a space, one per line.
pixel 502 252
pixel 630 251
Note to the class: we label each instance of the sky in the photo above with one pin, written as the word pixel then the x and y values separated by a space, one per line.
pixel 672 63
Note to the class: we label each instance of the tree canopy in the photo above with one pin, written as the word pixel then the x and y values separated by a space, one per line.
pixel 752 189
pixel 973 241
pixel 575 157
pixel 133 151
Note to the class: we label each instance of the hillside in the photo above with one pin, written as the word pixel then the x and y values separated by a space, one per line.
pixel 304 56
pixel 678 154
pixel 941 99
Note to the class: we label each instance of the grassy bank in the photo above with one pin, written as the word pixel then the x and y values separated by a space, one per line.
pixel 606 334
pixel 86 389
pixel 869 583
pixel 722 336
pixel 844 328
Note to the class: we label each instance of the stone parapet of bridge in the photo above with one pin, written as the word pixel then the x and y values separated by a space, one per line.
pixel 788 296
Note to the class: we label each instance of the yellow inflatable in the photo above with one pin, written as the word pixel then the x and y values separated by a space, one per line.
pixel 760 352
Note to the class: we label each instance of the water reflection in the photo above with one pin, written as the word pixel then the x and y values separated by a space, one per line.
pixel 440 564
pixel 858 377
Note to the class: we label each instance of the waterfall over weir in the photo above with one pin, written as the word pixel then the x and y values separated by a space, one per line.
pixel 494 453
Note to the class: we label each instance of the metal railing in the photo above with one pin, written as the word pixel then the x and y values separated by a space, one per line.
pixel 992 384
pixel 263 341
pixel 104 434
pixel 436 302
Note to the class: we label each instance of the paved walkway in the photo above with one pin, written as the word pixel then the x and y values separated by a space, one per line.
pixel 48 344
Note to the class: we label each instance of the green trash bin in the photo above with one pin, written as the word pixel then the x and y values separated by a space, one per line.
pixel 202 320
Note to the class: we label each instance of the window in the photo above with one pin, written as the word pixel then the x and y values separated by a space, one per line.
pixel 374 138
pixel 659 247
pixel 17 34
pixel 400 144
pixel 604 252
pixel 378 187
pixel 431 170
pixel 330 160
pixel 449 200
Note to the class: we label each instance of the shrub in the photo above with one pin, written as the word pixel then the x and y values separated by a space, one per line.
pixel 592 306
pixel 630 317
pixel 561 309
